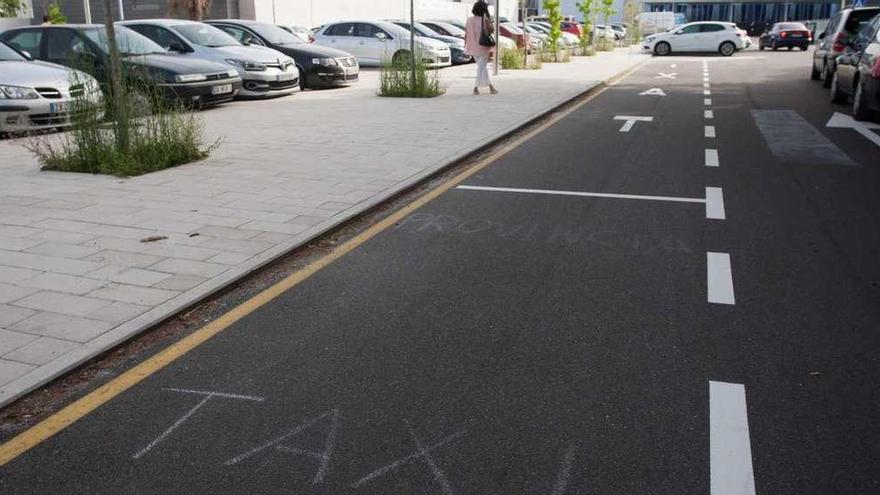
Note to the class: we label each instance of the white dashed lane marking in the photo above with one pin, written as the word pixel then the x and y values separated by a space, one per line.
pixel 730 449
pixel 719 279
pixel 712 158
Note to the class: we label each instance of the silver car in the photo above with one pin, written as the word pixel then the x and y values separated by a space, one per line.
pixel 38 95
pixel 265 72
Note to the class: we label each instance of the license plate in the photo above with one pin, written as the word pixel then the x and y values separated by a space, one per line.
pixel 60 107
pixel 285 77
pixel 797 36
pixel 221 89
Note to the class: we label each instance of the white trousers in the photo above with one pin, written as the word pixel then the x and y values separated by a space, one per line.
pixel 482 71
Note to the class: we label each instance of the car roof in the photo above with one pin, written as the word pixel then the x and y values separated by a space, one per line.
pixel 243 22
pixel 160 22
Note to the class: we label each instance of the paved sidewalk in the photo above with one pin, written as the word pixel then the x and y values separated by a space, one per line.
pixel 76 278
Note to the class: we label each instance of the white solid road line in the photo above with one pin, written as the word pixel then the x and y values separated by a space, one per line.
pixel 706 92
pixel 712 158
pixel 719 278
pixel 631 121
pixel 730 450
pixel 708 114
pixel 583 194
pixel 710 131
pixel 715 203
pixel 707 101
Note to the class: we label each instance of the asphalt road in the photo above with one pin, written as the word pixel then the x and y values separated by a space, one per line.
pixel 526 341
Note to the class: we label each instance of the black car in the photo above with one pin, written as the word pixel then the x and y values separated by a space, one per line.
pixel 456 45
pixel 786 35
pixel 319 66
pixel 144 63
pixel 858 73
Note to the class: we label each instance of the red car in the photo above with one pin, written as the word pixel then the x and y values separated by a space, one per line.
pixel 516 34
pixel 573 28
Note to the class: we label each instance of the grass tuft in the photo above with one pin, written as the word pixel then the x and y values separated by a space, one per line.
pixel 396 80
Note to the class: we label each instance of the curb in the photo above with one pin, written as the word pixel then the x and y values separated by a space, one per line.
pixel 17 389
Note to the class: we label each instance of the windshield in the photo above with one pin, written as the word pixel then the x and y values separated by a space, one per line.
pixel 513 29
pixel 8 54
pixel 275 35
pixel 453 30
pixel 205 35
pixel 791 26
pixel 129 42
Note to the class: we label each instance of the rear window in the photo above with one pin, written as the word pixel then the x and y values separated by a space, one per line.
pixel 859 19
pixel 791 26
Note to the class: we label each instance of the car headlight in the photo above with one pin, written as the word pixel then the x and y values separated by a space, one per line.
pixel 324 61
pixel 188 78
pixel 18 93
pixel 232 73
pixel 650 39
pixel 247 65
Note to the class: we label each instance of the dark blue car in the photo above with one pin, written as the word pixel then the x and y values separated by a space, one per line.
pixel 786 35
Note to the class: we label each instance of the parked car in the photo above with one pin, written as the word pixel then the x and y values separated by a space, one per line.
pixel 841 29
pixel 38 95
pixel 722 37
pixel 858 73
pixel 619 28
pixel 176 77
pixel 264 72
pixel 456 45
pixel 445 28
pixel 572 27
pixel 318 66
pixel 565 39
pixel 374 42
pixel 504 42
pixel 298 31
pixel 522 39
pixel 536 33
pixel 603 31
pixel 786 35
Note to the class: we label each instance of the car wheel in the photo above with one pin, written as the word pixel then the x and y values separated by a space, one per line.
pixel 815 75
pixel 773 46
pixel 727 49
pixel 401 57
pixel 790 48
pixel 861 110
pixel 761 46
pixel 662 48
pixel 827 74
pixel 837 96
pixel 302 79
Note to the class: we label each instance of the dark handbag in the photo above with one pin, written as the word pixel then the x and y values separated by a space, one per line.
pixel 486 38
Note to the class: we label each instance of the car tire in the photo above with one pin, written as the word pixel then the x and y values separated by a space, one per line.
pixel 302 79
pixel 662 49
pixel 790 48
pixel 861 110
pixel 815 75
pixel 727 49
pixel 401 57
pixel 773 46
pixel 837 96
pixel 761 46
pixel 827 75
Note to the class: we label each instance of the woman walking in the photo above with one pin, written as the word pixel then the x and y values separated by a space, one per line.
pixel 479 42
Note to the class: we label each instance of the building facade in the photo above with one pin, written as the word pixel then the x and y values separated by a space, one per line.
pixel 307 13
pixel 750 14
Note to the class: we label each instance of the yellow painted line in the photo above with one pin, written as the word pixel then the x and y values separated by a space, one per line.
pixel 82 407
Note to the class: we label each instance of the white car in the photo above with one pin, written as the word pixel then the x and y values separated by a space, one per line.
pixel 377 42
pixel 565 39
pixel 602 31
pixel 722 37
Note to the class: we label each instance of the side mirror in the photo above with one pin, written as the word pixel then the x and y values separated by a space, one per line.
pixel 381 36
pixel 26 54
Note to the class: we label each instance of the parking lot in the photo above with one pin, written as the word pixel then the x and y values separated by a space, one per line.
pixel 671 288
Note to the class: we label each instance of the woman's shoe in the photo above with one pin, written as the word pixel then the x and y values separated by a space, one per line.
pixel 493 90
pixel 476 92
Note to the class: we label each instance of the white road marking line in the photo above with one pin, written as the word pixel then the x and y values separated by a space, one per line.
pixel 709 131
pixel 564 472
pixel 171 428
pixel 663 75
pixel 840 120
pixel 719 278
pixel 672 66
pixel 396 464
pixel 631 121
pixel 708 114
pixel 426 455
pixel 276 441
pixel 707 92
pixel 712 158
pixel 705 78
pixel 215 394
pixel 583 194
pixel 706 85
pixel 730 449
pixel 707 101
pixel 715 203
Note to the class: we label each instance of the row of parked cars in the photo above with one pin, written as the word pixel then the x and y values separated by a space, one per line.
pixel 201 63
pixel 847 60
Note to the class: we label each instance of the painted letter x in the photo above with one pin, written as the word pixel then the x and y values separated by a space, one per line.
pixel 663 75
pixel 422 453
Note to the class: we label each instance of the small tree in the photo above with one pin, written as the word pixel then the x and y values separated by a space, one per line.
pixel 607 10
pixel 587 9
pixel 631 11
pixel 194 9
pixel 11 8
pixel 53 12
pixel 554 15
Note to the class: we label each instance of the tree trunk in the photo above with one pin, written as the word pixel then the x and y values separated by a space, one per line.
pixel 117 88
